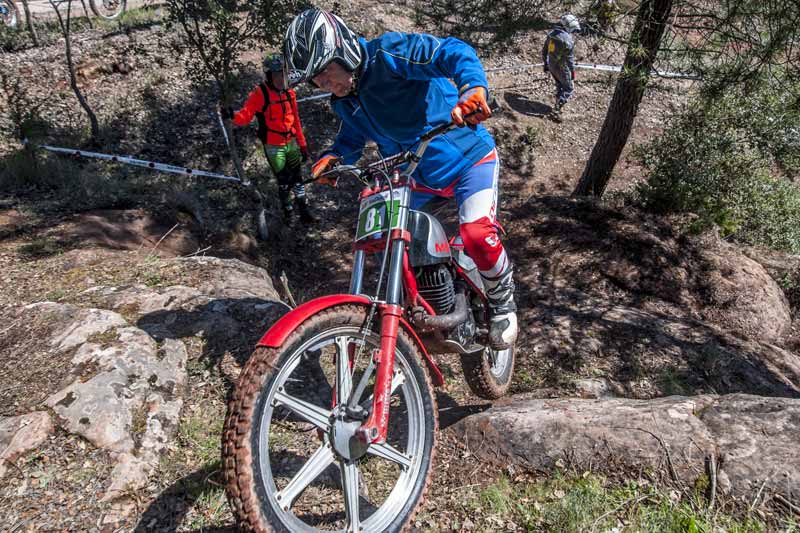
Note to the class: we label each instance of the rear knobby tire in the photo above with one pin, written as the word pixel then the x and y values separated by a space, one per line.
pixel 108 9
pixel 269 370
pixel 488 379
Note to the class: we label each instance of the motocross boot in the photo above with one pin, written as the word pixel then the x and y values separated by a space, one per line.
pixel 502 309
pixel 303 210
pixel 284 193
pixel 555 113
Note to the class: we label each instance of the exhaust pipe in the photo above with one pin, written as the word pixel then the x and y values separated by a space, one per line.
pixel 428 322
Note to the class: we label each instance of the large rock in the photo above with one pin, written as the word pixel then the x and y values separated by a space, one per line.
pixel 741 296
pixel 123 392
pixel 753 438
pixel 113 368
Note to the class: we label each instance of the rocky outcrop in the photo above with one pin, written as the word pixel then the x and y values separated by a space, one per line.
pixel 113 369
pixel 751 438
pixel 124 391
pixel 20 434
pixel 642 260
pixel 650 354
pixel 741 296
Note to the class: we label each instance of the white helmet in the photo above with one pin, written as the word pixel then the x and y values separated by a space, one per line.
pixel 570 23
pixel 314 39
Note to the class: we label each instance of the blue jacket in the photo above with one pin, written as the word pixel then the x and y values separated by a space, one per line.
pixel 404 90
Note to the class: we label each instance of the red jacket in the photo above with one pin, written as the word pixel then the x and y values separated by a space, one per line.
pixel 278 122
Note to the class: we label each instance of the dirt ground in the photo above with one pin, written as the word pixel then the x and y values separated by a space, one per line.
pixel 135 81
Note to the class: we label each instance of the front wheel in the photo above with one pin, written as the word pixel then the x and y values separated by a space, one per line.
pixel 488 372
pixel 108 9
pixel 285 466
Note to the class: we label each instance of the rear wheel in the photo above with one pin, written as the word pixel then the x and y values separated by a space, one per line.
pixel 108 9
pixel 9 13
pixel 284 463
pixel 488 372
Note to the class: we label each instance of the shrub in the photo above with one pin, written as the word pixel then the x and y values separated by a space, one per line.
pixel 730 161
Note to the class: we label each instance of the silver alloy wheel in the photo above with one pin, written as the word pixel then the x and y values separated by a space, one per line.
pixel 407 462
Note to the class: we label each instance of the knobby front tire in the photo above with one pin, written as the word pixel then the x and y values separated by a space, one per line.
pixel 281 471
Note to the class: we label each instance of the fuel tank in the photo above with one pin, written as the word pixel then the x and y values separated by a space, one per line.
pixel 429 244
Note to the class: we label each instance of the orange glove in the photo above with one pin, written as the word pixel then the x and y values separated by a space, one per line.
pixel 324 163
pixel 469 102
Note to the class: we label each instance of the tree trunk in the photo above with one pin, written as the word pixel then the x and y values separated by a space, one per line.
pixel 73 82
pixel 225 101
pixel 88 14
pixel 641 55
pixel 29 23
pixel 237 162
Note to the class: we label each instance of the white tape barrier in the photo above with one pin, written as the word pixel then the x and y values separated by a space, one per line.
pixel 163 167
pixel 589 66
pixel 659 73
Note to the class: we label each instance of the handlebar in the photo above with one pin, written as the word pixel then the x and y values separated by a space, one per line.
pixel 401 158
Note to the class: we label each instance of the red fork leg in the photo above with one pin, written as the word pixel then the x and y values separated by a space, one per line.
pixel 375 428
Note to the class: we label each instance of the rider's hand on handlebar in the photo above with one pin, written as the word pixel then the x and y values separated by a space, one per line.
pixel 470 101
pixel 324 163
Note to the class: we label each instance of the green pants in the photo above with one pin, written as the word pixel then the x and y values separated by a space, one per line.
pixel 286 162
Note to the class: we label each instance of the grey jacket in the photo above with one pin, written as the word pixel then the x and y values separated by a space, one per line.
pixel 557 52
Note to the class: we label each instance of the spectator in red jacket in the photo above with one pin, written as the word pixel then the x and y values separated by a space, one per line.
pixel 275 108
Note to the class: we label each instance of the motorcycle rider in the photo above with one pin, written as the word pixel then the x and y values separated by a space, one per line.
pixel 559 59
pixel 275 108
pixel 391 90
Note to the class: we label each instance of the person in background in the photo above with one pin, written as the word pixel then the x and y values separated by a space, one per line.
pixel 559 59
pixel 274 106
pixel 391 90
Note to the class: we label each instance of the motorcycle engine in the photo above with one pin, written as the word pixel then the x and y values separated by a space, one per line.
pixel 435 284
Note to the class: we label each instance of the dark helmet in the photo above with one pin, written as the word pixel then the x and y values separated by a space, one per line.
pixel 273 63
pixel 314 39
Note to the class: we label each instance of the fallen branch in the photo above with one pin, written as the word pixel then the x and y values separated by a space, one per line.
pixel 285 283
pixel 786 503
pixel 758 495
pixel 199 251
pixel 711 469
pixel 163 237
pixel 623 505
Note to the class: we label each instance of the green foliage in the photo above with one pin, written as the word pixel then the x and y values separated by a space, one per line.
pixel 12 39
pixel 592 503
pixel 491 25
pixel 219 31
pixel 727 160
pixel 790 283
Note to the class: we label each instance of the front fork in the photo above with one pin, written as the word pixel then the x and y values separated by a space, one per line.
pixel 375 428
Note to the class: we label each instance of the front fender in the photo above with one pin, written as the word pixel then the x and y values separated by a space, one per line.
pixel 280 330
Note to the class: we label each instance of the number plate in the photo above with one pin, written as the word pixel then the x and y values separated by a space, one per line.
pixel 373 215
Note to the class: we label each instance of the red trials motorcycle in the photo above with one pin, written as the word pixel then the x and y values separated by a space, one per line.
pixel 308 443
